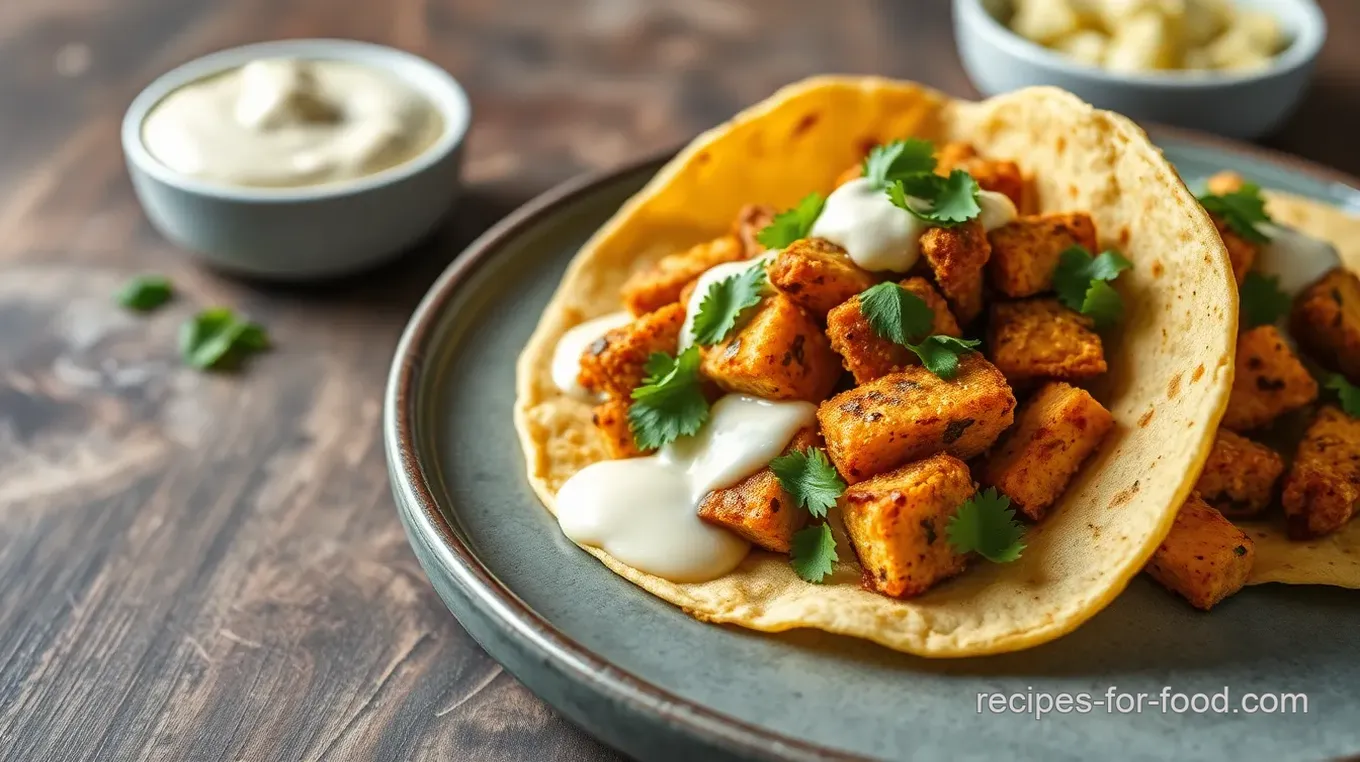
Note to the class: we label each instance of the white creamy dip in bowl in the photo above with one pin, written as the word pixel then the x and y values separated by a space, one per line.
pixel 346 154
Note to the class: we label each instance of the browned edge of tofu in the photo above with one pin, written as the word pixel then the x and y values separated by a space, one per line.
pixel 1025 251
pixel 1326 322
pixel 661 284
pixel 1239 476
pixel 757 507
pixel 615 363
pixel 1204 558
pixel 958 256
pixel 817 275
pixel 780 354
pixel 1323 485
pixel 751 219
pixel 1269 381
pixel 866 354
pixel 611 420
pixel 1034 339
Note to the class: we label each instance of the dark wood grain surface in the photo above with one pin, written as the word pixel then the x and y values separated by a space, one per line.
pixel 200 567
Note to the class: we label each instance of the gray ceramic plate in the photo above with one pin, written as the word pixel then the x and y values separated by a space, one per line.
pixel 659 685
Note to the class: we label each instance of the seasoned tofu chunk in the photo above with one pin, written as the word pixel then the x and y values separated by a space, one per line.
pixel 613 364
pixel 1040 338
pixel 913 414
pixel 1323 484
pixel 817 275
pixel 1326 322
pixel 866 354
pixel 897 524
pixel 1225 182
pixel 1055 432
pixel 1025 251
pixel 752 219
pixel 757 508
pixel 1205 558
pixel 957 256
pixel 780 354
pixel 1269 381
pixel 659 285
pixel 1239 477
pixel 1241 252
pixel 611 419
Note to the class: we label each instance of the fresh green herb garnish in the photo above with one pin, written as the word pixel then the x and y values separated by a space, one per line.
pixel 904 318
pixel 145 293
pixel 793 224
pixel 1346 393
pixel 813 552
pixel 217 338
pixel 948 201
pixel 1242 209
pixel 1261 299
pixel 728 303
pixel 1082 283
pixel 898 160
pixel 670 403
pixel 985 524
pixel 810 478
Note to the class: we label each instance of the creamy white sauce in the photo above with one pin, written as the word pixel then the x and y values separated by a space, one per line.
pixel 566 362
pixel 878 235
pixel 1297 259
pixel 713 275
pixel 289 123
pixel 643 511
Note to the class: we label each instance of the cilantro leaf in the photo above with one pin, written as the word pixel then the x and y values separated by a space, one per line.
pixel 897 160
pixel 940 353
pixel 810 478
pixel 1242 209
pixel 791 225
pixel 946 203
pixel 216 339
pixel 1082 283
pixel 670 403
pixel 813 552
pixel 727 303
pixel 896 314
pixel 1346 393
pixel 1102 304
pixel 145 293
pixel 985 524
pixel 1262 301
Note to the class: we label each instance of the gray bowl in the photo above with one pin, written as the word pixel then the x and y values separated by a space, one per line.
pixel 1241 105
pixel 307 232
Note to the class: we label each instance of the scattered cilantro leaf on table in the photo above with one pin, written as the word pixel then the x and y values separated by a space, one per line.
pixel 1347 393
pixel 813 552
pixel 727 303
pixel 1241 209
pixel 145 292
pixel 217 338
pixel 1262 301
pixel 810 478
pixel 1083 283
pixel 670 403
pixel 898 160
pixel 904 318
pixel 985 524
pixel 791 225
pixel 947 201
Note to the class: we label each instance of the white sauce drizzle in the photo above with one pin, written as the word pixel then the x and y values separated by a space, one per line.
pixel 566 362
pixel 1297 259
pixel 713 275
pixel 643 511
pixel 997 210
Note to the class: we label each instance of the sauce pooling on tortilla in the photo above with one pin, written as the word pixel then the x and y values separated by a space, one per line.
pixel 1297 259
pixel 566 362
pixel 880 236
pixel 644 511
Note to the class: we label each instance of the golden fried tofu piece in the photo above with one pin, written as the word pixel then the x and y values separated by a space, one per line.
pixel 1239 477
pixel 1326 322
pixel 1040 338
pixel 913 414
pixel 957 256
pixel 651 289
pixel 757 508
pixel 1269 381
pixel 897 524
pixel 817 275
pixel 1204 558
pixel 1241 252
pixel 611 419
pixel 752 219
pixel 613 364
pixel 1323 484
pixel 1055 432
pixel 866 354
pixel 953 155
pixel 780 354
pixel 1025 251
pixel 1225 182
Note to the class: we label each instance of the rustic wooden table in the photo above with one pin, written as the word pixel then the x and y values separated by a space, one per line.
pixel 210 567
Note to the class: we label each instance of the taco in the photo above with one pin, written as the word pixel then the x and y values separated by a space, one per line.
pixel 789 314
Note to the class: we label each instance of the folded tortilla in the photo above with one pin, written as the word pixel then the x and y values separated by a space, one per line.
pixel 1171 360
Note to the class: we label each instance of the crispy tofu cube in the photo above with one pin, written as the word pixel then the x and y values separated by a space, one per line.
pixel 1239 477
pixel 1040 338
pixel 1326 322
pixel 659 285
pixel 957 256
pixel 1025 251
pixel 993 175
pixel 1054 433
pixel 1269 381
pixel 1323 485
pixel 897 524
pixel 1205 558
pixel 866 354
pixel 757 508
pixel 780 354
pixel 752 219
pixel 611 419
pixel 613 365
pixel 913 414
pixel 1241 252
pixel 817 275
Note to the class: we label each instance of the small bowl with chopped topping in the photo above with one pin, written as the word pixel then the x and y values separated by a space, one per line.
pixel 298 159
pixel 1231 67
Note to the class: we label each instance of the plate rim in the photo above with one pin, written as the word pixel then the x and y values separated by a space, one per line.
pixel 411 479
